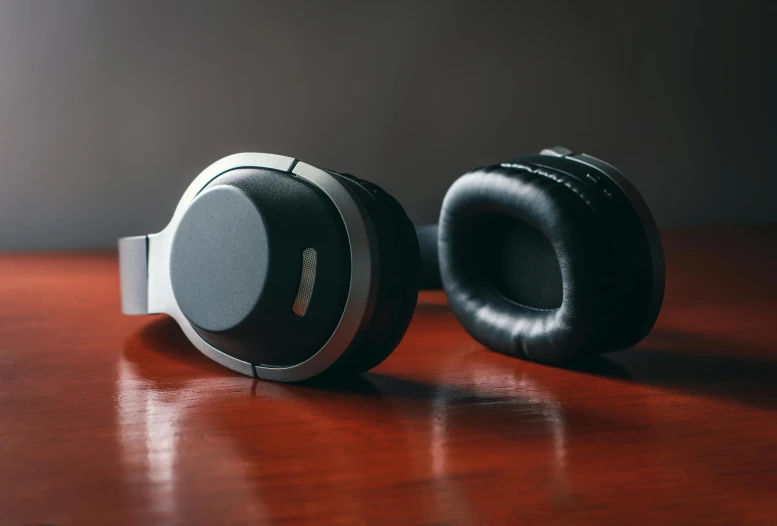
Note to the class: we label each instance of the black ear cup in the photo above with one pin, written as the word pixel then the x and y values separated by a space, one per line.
pixel 260 265
pixel 397 283
pixel 547 258
pixel 278 269
pixel 247 246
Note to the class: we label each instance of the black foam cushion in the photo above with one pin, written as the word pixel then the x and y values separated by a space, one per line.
pixel 398 276
pixel 553 204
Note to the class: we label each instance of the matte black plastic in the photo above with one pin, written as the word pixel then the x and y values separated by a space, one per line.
pixel 236 265
pixel 396 277
pixel 521 262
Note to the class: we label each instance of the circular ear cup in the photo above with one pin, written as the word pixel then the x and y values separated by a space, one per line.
pixel 397 285
pixel 260 266
pixel 540 258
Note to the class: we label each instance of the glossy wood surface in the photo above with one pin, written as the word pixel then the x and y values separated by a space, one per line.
pixel 109 419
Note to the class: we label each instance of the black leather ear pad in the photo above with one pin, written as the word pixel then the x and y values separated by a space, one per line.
pixel 398 270
pixel 556 205
pixel 634 281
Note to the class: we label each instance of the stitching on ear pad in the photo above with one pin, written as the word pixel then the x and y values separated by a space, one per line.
pixel 557 206
pixel 398 278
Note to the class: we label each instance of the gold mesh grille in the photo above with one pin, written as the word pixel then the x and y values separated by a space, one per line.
pixel 306 282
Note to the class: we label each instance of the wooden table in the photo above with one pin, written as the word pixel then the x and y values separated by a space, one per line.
pixel 108 419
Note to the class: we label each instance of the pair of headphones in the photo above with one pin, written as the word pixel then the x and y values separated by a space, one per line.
pixel 283 271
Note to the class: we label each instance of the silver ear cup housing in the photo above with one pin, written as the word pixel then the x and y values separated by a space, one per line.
pixel 145 269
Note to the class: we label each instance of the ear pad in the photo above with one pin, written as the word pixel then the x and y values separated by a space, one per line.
pixel 535 265
pixel 636 282
pixel 397 269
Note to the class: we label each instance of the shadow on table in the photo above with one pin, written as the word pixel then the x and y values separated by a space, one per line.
pixel 680 361
pixel 159 348
pixel 694 364
pixel 510 404
pixel 472 419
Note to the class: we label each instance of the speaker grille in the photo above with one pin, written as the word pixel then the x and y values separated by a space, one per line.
pixel 306 282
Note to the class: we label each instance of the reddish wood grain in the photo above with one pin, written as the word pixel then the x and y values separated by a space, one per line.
pixel 107 419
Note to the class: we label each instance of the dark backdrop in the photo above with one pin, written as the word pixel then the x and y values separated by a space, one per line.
pixel 108 109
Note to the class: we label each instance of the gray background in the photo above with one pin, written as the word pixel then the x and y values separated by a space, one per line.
pixel 109 109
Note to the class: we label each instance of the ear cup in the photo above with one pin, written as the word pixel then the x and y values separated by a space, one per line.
pixel 549 257
pixel 237 265
pixel 554 205
pixel 635 255
pixel 398 270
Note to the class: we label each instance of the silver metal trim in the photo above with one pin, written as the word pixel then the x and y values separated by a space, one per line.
pixel 160 297
pixel 133 274
pixel 361 277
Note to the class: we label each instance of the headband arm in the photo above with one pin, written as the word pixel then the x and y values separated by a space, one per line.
pixel 133 274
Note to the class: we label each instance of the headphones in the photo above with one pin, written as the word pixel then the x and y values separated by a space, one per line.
pixel 283 271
